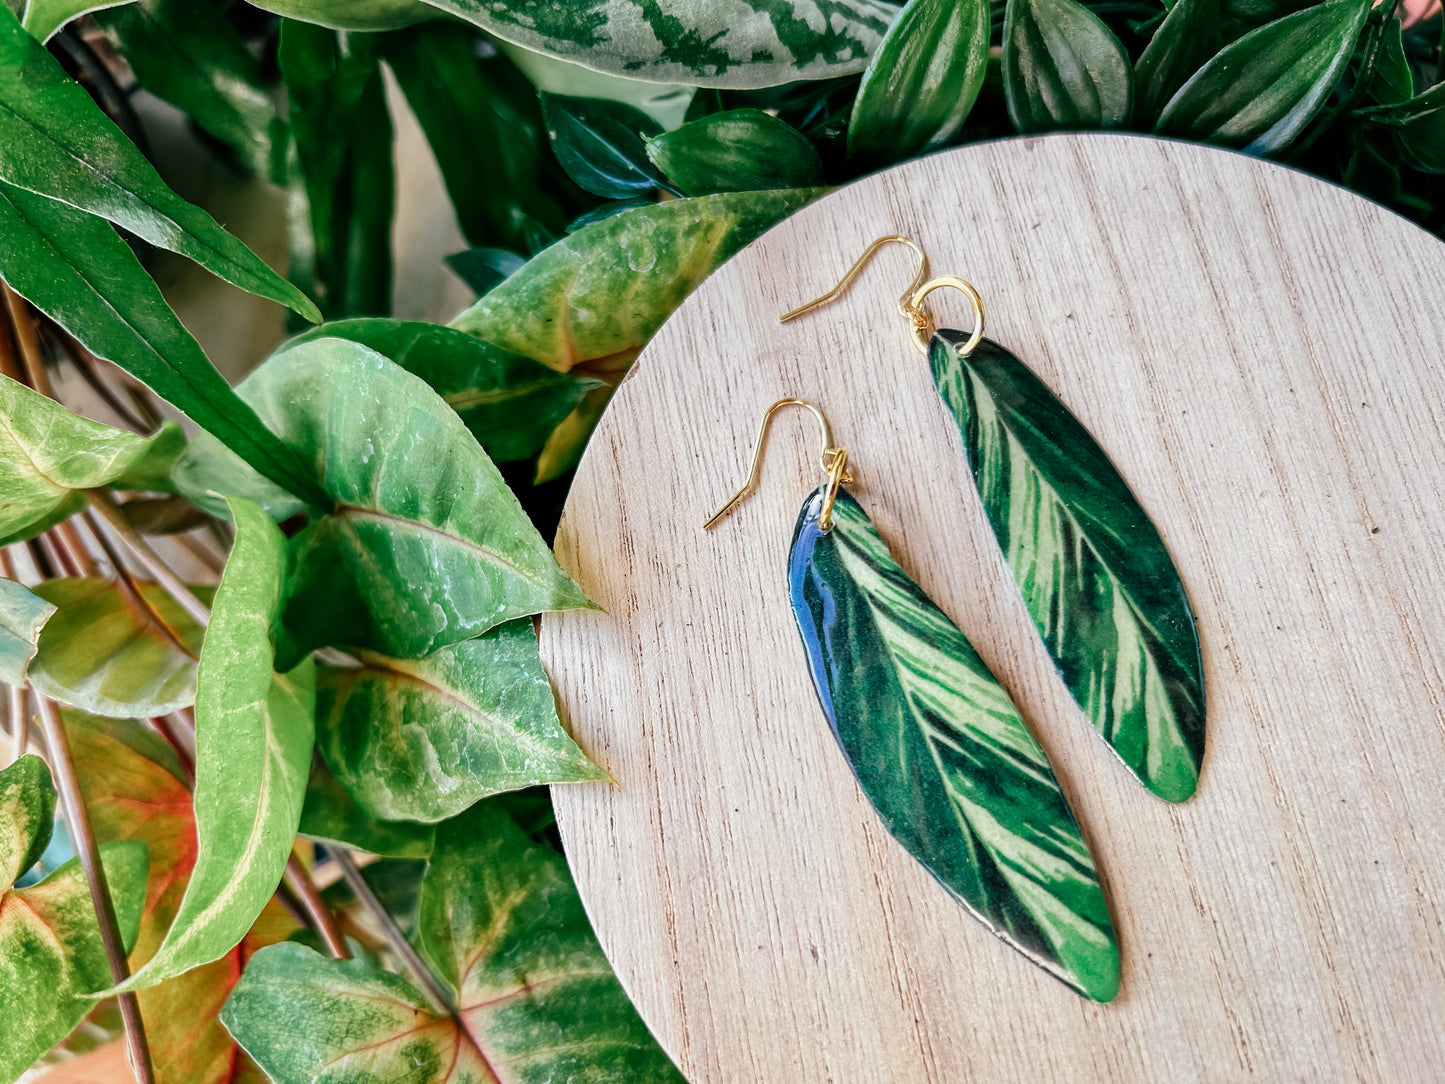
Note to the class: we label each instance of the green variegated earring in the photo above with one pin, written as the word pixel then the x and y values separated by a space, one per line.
pixel 934 740
pixel 1094 572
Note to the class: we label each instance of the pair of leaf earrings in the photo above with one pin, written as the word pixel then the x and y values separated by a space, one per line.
pixel 934 740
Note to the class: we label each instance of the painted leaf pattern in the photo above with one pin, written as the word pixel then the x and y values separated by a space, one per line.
pixel 1095 575
pixel 941 752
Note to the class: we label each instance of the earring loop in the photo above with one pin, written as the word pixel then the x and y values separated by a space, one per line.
pixel 923 323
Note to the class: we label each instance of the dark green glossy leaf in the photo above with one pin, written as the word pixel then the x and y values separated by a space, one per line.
pixel 75 269
pixel 110 652
pixel 22 615
pixel 483 269
pixel 342 130
pixel 55 140
pixel 49 457
pixel 1094 573
pixel 424 739
pixel 509 402
pixel 741 150
pixel 1259 92
pixel 353 14
pixel 42 18
pixel 941 752
pixel 331 816
pixel 1392 80
pixel 922 81
pixel 186 53
pixel 602 144
pixel 254 732
pixel 1063 68
pixel 1419 125
pixel 1188 37
pixel 1239 17
pixel 27 816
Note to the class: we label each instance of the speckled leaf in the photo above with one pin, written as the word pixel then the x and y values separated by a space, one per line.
pixel 424 739
pixel 922 81
pixel 509 402
pixel 48 455
pixel 941 752
pixel 43 18
pixel 1259 92
pixel 737 150
pixel 254 734
pixel 502 921
pixel 750 43
pixel 27 816
pixel 22 615
pixel 597 296
pixel 1094 573
pixel 112 653
pixel 332 816
pixel 1063 68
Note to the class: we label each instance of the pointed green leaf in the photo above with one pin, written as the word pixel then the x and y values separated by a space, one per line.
pixel 27 816
pixel 1094 573
pixel 598 295
pixel 1063 68
pixel 941 752
pixel 44 17
pixel 502 920
pixel 1419 125
pixel 332 816
pixel 74 268
pixel 1393 80
pixel 48 456
pixel 23 615
pixel 1259 92
pixel 922 81
pixel 253 755
pixel 1189 35
pixel 751 43
pixel 568 441
pixel 509 402
pixel 424 739
pixel 737 150
pixel 108 652
pixel 54 140
pixel 602 144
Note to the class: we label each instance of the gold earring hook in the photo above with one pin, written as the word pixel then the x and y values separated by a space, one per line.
pixel 910 304
pixel 834 462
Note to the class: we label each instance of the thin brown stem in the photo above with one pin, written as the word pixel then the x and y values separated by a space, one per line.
pixel 9 360
pixel 30 354
pixel 131 588
pixel 106 508
pixel 165 726
pixel 201 552
pixel 317 914
pixel 58 557
pixel 75 548
pixel 38 557
pixel 83 366
pixel 77 820
pixel 435 990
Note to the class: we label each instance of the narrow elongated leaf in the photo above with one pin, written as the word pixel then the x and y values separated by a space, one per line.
pixel 939 749
pixel 752 43
pixel 1419 125
pixel 75 269
pixel 254 734
pixel 509 402
pixel 1186 39
pixel 1259 92
pixel 27 816
pixel 112 653
pixel 44 17
pixel 1393 80
pixel 424 739
pixel 598 295
pixel 1094 573
pixel 922 81
pixel 332 816
pixel 22 615
pixel 502 921
pixel 49 456
pixel 1063 68
pixel 55 140
pixel 737 150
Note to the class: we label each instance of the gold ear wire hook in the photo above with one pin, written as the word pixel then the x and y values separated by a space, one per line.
pixel 834 462
pixel 911 303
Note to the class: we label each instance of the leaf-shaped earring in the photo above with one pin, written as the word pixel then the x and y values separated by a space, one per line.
pixel 1094 572
pixel 934 741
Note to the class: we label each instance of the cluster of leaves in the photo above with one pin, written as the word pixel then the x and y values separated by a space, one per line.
pixel 365 677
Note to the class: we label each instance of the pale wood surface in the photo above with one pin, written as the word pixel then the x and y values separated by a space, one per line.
pixel 1260 353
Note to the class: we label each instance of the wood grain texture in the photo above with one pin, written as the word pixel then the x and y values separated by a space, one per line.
pixel 1259 353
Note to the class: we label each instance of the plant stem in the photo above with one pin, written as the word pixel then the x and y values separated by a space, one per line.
pixel 315 908
pixel 75 549
pixel 436 992
pixel 77 819
pixel 106 507
pixel 29 342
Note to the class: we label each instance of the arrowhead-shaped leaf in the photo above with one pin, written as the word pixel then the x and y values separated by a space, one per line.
pixel 1094 573
pixel 112 653
pixel 1063 68
pixel 254 731
pixel 737 150
pixel 22 615
pixel 941 752
pixel 424 739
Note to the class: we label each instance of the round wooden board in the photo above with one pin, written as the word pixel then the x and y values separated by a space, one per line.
pixel 1260 354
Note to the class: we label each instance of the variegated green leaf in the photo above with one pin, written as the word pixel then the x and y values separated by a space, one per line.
pixel 254 734
pixel 1094 573
pixel 941 752
pixel 423 739
pixel 27 816
pixel 502 921
pixel 22 616
pixel 1063 68
pixel 49 455
pixel 111 652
